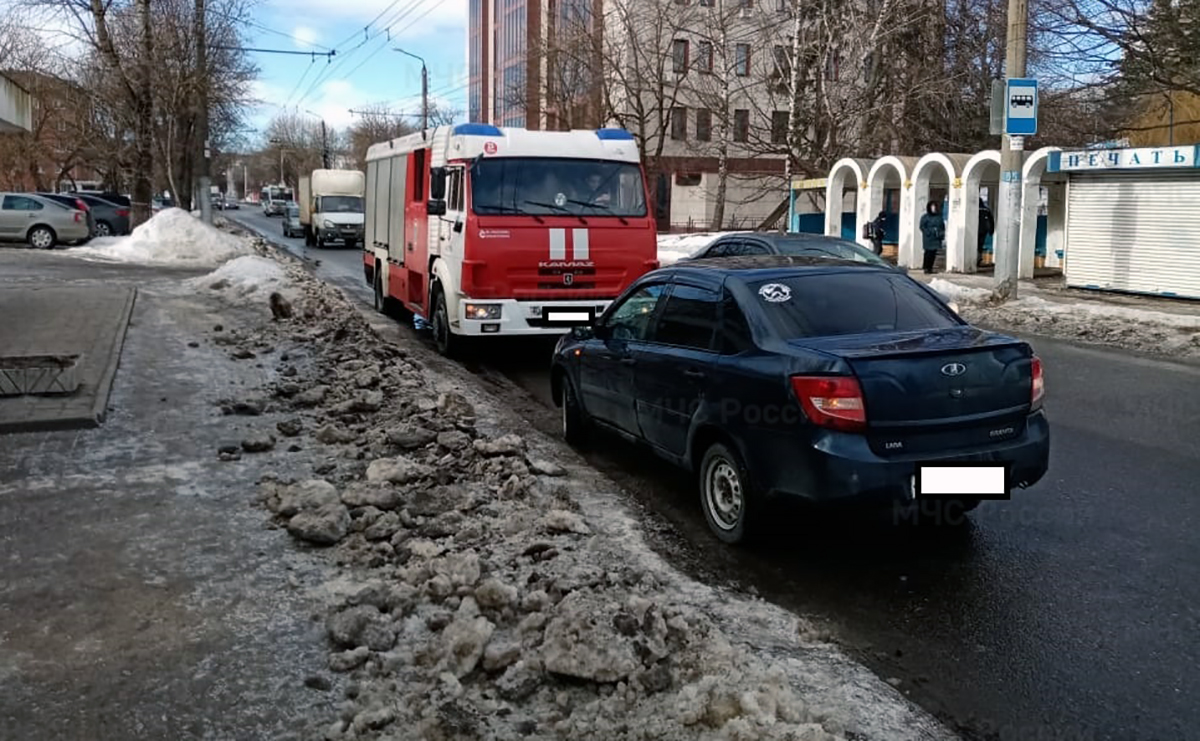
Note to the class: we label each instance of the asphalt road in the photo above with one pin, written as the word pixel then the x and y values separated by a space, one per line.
pixel 1070 612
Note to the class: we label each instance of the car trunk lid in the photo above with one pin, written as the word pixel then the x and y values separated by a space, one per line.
pixel 938 389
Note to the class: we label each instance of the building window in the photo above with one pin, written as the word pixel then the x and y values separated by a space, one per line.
pixel 783 62
pixel 704 125
pixel 741 125
pixel 779 127
pixel 706 3
pixel 679 56
pixel 742 60
pixel 745 4
pixel 705 59
pixel 833 62
pixel 691 179
pixel 679 123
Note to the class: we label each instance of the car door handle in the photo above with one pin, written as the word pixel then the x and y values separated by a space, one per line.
pixel 628 361
pixel 692 373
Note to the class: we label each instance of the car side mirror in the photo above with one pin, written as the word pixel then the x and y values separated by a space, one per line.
pixel 601 331
pixel 437 183
pixel 436 207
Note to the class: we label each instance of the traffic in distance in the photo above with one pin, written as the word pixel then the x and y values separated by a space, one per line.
pixel 772 367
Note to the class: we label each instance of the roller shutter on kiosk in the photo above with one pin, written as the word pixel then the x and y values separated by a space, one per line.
pixel 1135 231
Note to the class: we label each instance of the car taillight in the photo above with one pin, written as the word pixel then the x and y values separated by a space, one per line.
pixel 835 402
pixel 81 205
pixel 1038 391
pixel 78 217
pixel 123 213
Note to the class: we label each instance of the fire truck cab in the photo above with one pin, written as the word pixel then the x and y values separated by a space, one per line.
pixel 487 231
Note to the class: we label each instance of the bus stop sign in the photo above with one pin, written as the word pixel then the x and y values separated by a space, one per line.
pixel 1021 104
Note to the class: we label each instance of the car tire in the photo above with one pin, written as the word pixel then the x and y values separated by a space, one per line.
pixel 446 342
pixel 103 229
pixel 727 495
pixel 576 426
pixel 42 238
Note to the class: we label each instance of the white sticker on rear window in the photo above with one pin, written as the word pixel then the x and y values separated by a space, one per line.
pixel 776 293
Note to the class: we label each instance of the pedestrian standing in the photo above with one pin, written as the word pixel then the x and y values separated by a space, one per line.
pixel 933 234
pixel 877 232
pixel 987 227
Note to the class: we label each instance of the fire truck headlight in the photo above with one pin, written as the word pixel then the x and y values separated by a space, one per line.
pixel 482 311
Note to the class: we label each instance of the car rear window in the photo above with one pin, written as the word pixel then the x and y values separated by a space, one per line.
pixel 852 302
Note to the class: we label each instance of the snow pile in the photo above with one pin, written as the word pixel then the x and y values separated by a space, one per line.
pixel 675 247
pixel 959 293
pixel 480 599
pixel 248 275
pixel 170 237
pixel 1087 320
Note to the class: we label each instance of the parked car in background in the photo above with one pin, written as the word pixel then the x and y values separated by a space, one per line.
pixel 159 203
pixel 230 203
pixel 76 202
pixel 291 221
pixel 745 244
pixel 812 379
pixel 42 222
pixel 109 219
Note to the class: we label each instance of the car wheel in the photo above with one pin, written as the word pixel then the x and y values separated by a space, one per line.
pixel 726 495
pixel 576 427
pixel 42 238
pixel 103 229
pixel 447 344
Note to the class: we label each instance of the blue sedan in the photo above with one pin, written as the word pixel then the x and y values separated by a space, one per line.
pixel 811 378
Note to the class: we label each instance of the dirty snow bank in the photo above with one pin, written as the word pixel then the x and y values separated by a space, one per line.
pixel 170 237
pixel 675 247
pixel 492 585
pixel 246 276
pixel 1091 321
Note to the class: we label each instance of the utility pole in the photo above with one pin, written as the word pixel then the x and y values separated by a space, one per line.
pixel 203 188
pixel 424 91
pixel 324 139
pixel 1012 160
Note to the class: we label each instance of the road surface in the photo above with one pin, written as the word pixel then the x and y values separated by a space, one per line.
pixel 1070 612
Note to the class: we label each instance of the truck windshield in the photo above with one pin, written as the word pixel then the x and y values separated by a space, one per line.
pixel 340 204
pixel 547 187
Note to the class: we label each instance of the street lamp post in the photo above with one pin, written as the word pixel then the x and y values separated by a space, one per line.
pixel 281 150
pixel 324 140
pixel 424 90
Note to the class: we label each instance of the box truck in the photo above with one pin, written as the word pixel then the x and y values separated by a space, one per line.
pixel 331 207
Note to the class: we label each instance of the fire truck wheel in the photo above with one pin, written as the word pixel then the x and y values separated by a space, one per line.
pixel 447 343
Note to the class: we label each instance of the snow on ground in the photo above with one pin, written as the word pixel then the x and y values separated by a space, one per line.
pixel 492 585
pixel 675 247
pixel 1092 320
pixel 957 292
pixel 170 237
pixel 245 276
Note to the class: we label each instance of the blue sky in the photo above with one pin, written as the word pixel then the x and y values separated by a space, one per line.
pixel 371 73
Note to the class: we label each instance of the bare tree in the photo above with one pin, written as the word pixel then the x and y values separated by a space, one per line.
pixel 641 79
pixel 374 124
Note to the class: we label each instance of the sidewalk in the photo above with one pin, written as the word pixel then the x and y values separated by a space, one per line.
pixel 1142 323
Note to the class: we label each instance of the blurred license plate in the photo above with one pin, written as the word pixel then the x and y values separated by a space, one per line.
pixel 569 316
pixel 983 481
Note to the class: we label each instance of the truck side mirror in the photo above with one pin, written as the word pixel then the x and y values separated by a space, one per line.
pixel 437 183
pixel 436 207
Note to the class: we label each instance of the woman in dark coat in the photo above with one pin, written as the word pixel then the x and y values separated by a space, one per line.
pixel 933 234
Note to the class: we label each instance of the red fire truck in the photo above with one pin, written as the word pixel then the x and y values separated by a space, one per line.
pixel 487 231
